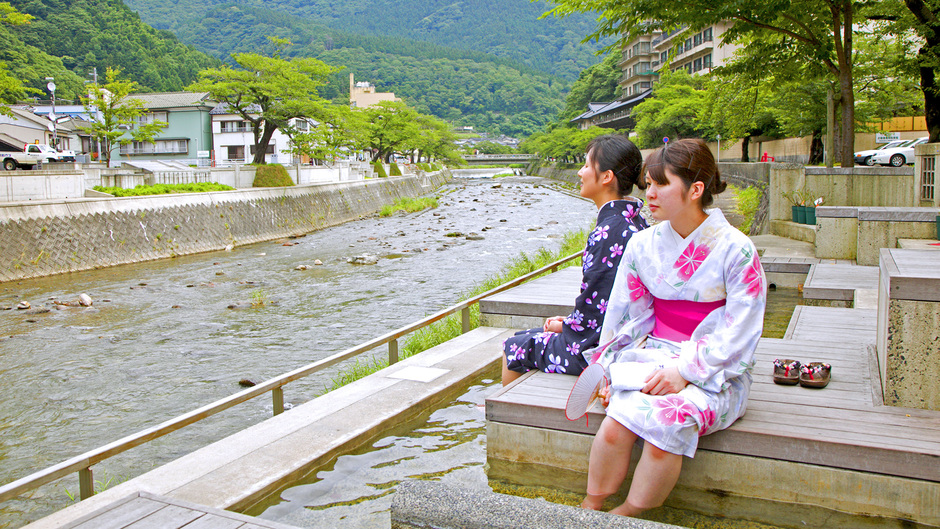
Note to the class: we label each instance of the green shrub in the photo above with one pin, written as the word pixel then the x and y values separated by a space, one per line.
pixel 394 170
pixel 747 201
pixel 379 170
pixel 163 189
pixel 271 175
pixel 425 167
pixel 410 205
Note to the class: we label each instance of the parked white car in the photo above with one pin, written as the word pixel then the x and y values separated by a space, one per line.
pixel 864 157
pixel 898 156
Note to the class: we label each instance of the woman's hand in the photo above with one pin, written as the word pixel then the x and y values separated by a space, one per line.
pixel 664 382
pixel 553 324
pixel 604 394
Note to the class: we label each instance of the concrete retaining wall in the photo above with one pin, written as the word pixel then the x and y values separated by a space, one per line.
pixel 39 239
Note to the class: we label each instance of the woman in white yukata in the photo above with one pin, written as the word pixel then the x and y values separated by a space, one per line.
pixel 685 314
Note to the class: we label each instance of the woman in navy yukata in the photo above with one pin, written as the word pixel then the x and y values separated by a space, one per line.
pixel 611 169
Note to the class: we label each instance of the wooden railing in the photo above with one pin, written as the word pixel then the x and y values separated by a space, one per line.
pixel 83 463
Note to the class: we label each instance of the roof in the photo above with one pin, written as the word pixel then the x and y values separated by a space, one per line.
pixel 174 99
pixel 597 109
pixel 225 108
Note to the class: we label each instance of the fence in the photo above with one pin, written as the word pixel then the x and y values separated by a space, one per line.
pixel 83 463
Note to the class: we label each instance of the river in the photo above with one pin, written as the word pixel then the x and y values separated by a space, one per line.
pixel 160 339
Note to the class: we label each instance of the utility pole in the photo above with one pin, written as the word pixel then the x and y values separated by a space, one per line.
pixel 55 137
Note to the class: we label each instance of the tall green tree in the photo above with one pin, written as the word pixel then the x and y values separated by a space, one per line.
pixel 341 129
pixel 922 18
pixel 393 127
pixel 117 115
pixel 268 92
pixel 598 83
pixel 820 31
pixel 11 88
pixel 673 111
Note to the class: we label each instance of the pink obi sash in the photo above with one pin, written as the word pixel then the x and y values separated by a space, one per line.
pixel 676 319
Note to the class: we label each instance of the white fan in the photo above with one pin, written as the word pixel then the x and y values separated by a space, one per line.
pixel 585 392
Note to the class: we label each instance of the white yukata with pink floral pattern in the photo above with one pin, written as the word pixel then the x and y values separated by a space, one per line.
pixel 714 262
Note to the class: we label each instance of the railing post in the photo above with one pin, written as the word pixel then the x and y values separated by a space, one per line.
pixel 277 395
pixel 86 484
pixel 465 320
pixel 392 352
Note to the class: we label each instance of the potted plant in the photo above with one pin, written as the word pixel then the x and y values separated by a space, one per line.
pixel 811 210
pixel 792 198
pixel 801 206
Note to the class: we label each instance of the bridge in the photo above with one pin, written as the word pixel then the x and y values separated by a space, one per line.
pixel 489 159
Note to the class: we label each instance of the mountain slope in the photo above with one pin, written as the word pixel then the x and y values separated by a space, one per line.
pixel 101 33
pixel 503 28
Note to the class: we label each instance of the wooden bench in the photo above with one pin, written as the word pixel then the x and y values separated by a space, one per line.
pixel 837 451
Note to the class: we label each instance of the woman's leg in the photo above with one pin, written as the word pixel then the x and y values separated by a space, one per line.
pixel 508 374
pixel 609 462
pixel 654 478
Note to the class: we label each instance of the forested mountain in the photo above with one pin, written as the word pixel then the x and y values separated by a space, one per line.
pixel 465 87
pixel 79 35
pixel 502 28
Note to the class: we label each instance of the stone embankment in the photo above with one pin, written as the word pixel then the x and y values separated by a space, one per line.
pixel 39 239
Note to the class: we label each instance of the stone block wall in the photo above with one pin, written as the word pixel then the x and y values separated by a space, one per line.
pixel 55 237
pixel 908 339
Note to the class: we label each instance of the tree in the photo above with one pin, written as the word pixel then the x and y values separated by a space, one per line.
pixel 393 127
pixel 820 31
pixel 598 83
pixel 923 18
pixel 341 130
pixel 11 88
pixel 672 111
pixel 117 114
pixel 268 92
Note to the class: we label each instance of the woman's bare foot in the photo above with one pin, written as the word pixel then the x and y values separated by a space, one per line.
pixel 593 502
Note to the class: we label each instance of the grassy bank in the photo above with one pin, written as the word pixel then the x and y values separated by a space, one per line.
pixel 409 205
pixel 448 328
pixel 163 189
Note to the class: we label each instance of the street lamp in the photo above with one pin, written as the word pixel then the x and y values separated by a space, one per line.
pixel 55 137
pixel 718 137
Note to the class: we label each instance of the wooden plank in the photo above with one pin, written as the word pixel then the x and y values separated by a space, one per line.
pixel 213 521
pixel 169 517
pixel 118 514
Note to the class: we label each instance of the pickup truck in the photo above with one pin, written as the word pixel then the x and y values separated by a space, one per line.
pixel 32 154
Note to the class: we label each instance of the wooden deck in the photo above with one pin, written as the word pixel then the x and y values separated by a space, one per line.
pixel 149 511
pixel 838 282
pixel 844 426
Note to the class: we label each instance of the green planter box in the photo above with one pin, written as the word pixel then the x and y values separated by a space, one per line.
pixel 801 214
pixel 810 215
pixel 794 213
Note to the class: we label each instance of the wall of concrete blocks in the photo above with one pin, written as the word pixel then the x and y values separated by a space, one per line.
pixel 39 239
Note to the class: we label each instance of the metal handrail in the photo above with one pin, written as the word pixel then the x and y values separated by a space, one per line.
pixel 83 463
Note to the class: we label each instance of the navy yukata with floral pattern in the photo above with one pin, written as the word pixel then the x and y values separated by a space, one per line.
pixel 553 352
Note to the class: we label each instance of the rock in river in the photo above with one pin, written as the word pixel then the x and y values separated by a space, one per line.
pixel 84 300
pixel 364 259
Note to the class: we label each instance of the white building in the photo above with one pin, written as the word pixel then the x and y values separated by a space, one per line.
pixel 233 139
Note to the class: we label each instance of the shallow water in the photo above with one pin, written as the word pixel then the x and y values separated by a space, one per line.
pixel 79 378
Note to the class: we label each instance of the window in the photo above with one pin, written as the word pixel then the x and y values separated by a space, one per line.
pixel 698 65
pixel 663 56
pixel 269 150
pixel 644 47
pixel 236 126
pixel 301 124
pixel 236 152
pixel 643 68
pixel 707 61
pixel 707 35
pixel 645 84
pixel 157 147
pixel 679 48
pixel 688 44
pixel 697 39
pixel 150 117
pixel 688 66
